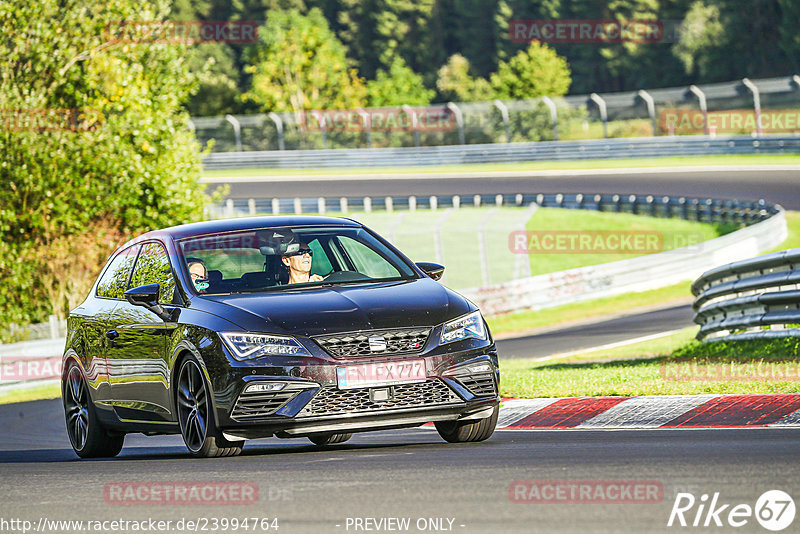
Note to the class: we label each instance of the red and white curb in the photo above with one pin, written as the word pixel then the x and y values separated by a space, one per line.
pixel 657 411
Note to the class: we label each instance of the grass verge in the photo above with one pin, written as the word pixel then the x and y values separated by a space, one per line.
pixel 673 365
pixel 47 391
pixel 672 161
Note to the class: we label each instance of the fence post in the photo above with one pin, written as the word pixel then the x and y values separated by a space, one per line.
pixel 298 207
pixel 323 127
pixel 229 208
pixel 413 115
pixel 279 127
pixel 389 204
pixel 456 201
pixel 321 205
pixel 601 105
pixel 276 206
pixel 701 97
pixel 756 103
pixel 434 202
pixel 343 204
pixel 237 131
pixel 553 115
pixel 459 121
pixel 53 320
pixel 367 205
pixel 251 206
pixel 412 203
pixel 367 125
pixel 504 113
pixel 651 109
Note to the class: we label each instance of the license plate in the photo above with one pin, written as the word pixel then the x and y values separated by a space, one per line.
pixel 380 374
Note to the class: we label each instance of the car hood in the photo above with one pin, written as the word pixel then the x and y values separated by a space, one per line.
pixel 343 308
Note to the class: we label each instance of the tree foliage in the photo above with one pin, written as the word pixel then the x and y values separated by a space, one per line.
pixel 95 146
pixel 299 64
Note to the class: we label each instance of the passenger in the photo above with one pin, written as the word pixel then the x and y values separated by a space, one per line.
pixel 299 265
pixel 199 274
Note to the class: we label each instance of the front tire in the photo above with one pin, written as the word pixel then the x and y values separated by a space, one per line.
pixel 468 431
pixel 88 438
pixel 196 416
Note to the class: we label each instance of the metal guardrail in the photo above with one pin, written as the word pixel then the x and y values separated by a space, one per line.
pixel 624 114
pixel 644 147
pixel 754 298
pixel 30 364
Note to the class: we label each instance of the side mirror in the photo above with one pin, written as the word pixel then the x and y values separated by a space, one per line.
pixel 434 270
pixel 147 296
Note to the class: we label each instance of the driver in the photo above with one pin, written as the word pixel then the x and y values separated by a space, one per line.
pixel 198 273
pixel 299 264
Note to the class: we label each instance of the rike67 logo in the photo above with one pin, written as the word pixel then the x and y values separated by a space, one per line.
pixel 774 510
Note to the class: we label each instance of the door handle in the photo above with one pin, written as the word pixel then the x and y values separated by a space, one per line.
pixel 112 335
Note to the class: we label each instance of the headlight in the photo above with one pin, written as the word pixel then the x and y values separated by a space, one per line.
pixel 247 346
pixel 464 327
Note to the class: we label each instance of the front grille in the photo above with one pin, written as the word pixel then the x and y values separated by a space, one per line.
pixel 330 400
pixel 355 344
pixel 260 404
pixel 480 385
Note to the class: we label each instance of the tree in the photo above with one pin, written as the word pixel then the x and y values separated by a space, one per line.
pixel 94 146
pixel 399 86
pixel 537 71
pixel 299 64
pixel 455 83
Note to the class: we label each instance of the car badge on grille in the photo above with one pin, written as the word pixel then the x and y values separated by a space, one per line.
pixel 377 344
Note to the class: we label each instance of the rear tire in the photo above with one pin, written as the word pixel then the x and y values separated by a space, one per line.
pixel 88 437
pixel 196 416
pixel 329 439
pixel 468 431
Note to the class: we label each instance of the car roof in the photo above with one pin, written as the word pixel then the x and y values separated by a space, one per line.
pixel 243 223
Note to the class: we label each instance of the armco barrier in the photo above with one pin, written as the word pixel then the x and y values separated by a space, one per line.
pixel 30 363
pixel 645 147
pixel 754 298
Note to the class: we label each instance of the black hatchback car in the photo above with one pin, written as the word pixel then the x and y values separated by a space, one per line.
pixel 274 326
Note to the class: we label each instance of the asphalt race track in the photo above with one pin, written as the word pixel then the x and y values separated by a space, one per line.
pixel 781 186
pixel 405 474
pixel 604 332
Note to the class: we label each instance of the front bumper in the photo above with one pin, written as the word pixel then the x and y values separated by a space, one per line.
pixel 459 384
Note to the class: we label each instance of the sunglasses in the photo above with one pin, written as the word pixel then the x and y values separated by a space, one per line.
pixel 300 252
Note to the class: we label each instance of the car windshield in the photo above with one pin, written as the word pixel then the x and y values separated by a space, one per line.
pixel 270 259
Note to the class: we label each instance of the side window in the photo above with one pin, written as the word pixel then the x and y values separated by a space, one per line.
pixel 320 263
pixel 115 277
pixel 366 260
pixel 153 267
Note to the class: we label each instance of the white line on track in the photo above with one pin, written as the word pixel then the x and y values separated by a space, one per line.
pixel 610 345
